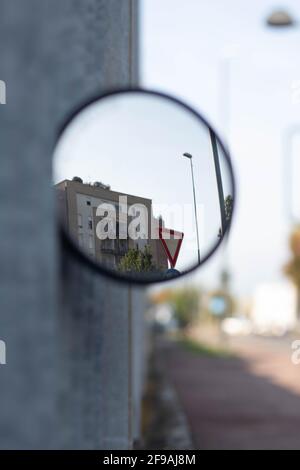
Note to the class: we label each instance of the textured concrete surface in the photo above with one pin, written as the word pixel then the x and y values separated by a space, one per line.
pixel 164 421
pixel 66 330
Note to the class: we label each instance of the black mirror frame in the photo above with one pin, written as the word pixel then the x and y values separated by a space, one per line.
pixel 69 245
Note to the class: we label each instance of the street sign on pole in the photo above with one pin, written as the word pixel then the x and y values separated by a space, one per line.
pixel 171 241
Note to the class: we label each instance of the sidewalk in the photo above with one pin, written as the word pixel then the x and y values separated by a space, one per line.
pixel 247 402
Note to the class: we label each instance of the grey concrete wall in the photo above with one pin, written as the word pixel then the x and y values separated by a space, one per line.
pixel 70 381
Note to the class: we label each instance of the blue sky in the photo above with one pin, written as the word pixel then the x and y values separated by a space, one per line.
pixel 245 78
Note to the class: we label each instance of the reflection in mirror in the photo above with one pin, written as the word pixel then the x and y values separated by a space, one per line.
pixel 144 186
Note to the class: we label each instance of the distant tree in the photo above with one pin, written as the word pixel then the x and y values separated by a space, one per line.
pixel 77 179
pixel 136 260
pixel 162 296
pixel 292 268
pixel 185 303
pixel 228 207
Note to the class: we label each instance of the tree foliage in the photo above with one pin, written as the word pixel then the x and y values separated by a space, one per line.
pixel 228 207
pixel 292 268
pixel 185 303
pixel 136 260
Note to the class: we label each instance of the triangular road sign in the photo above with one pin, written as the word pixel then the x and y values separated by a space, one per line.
pixel 171 241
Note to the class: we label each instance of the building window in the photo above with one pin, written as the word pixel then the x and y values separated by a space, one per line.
pixel 90 223
pixel 109 261
pixel 107 244
pixel 122 230
pixel 80 239
pixel 79 220
pixel 123 246
pixel 88 203
pixel 91 245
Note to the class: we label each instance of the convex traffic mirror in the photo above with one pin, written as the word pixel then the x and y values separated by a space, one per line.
pixel 144 186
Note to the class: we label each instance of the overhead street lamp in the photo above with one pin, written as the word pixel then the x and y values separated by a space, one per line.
pixel 280 19
pixel 190 157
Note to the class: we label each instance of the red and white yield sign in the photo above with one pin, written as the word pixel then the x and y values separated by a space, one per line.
pixel 171 241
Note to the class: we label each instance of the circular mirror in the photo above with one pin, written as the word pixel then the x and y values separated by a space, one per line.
pixel 144 186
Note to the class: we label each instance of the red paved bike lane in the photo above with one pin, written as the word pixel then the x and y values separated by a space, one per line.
pixel 246 402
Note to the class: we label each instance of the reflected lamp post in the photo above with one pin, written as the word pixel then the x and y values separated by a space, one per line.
pixel 190 157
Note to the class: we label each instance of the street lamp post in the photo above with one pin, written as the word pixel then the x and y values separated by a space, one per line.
pixel 190 157
pixel 282 19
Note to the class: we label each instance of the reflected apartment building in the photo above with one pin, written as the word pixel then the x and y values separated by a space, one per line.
pixel 78 203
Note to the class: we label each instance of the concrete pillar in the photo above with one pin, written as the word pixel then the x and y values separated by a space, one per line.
pixel 65 384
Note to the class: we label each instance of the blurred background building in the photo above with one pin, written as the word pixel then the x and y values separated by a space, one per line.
pixel 239 66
